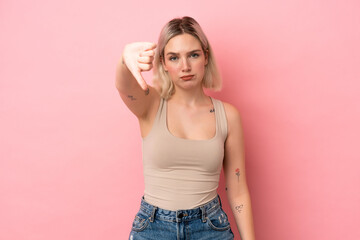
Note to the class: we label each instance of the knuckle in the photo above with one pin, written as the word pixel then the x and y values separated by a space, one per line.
pixel 144 60
pixel 144 67
pixel 149 53
pixel 148 67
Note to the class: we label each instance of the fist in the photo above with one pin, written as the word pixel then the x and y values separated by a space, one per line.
pixel 138 57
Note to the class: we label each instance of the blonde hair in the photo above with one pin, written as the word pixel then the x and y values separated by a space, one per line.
pixel 178 26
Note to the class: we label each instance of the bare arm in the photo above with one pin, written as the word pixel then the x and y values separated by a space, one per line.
pixel 234 171
pixel 134 91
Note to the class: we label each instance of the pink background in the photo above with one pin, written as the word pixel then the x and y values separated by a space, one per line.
pixel 70 150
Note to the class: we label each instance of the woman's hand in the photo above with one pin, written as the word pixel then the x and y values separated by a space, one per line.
pixel 138 57
pixel 142 99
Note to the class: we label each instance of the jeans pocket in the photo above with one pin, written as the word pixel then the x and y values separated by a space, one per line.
pixel 218 220
pixel 141 221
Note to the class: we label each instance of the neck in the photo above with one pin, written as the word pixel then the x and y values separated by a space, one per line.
pixel 190 97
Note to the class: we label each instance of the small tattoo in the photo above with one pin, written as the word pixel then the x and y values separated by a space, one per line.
pixel 131 97
pixel 226 189
pixel 212 110
pixel 237 172
pixel 239 208
pixel 147 91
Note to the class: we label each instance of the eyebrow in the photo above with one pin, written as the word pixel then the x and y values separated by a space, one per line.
pixel 173 53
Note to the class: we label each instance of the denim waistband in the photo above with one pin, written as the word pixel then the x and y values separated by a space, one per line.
pixel 180 215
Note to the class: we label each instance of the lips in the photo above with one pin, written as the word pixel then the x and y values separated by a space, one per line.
pixel 187 77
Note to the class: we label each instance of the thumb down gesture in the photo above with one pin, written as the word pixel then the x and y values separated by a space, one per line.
pixel 138 57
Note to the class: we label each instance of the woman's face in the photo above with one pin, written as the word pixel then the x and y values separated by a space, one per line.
pixel 185 61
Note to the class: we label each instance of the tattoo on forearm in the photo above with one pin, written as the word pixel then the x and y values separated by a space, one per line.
pixel 212 110
pixel 147 91
pixel 132 98
pixel 237 172
pixel 239 208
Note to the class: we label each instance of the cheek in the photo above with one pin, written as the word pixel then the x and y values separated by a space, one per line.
pixel 172 68
pixel 200 67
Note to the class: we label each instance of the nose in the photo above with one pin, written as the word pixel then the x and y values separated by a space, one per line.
pixel 185 65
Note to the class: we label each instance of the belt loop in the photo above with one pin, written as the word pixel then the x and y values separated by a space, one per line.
pixel 153 214
pixel 203 214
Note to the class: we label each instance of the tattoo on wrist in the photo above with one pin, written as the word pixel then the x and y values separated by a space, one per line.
pixel 147 91
pixel 239 208
pixel 132 98
pixel 212 110
pixel 237 172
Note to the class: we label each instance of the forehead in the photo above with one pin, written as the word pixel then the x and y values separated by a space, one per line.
pixel 182 43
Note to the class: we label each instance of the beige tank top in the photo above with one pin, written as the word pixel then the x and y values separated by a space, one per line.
pixel 181 173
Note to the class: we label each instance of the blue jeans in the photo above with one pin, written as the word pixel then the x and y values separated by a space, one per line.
pixel 207 222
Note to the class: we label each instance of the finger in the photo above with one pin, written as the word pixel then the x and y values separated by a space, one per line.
pixel 147 53
pixel 145 66
pixel 149 46
pixel 145 59
pixel 140 80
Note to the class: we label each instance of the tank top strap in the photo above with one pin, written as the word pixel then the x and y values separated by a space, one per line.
pixel 161 115
pixel 220 117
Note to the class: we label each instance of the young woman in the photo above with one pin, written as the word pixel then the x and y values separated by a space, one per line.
pixel 187 138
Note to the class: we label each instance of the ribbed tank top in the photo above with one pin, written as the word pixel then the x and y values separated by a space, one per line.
pixel 182 173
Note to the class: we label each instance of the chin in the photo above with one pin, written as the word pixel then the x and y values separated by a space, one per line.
pixel 189 85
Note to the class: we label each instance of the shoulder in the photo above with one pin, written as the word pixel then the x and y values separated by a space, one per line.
pixel 232 115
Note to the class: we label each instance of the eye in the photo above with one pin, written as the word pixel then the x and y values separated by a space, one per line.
pixel 195 55
pixel 172 58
